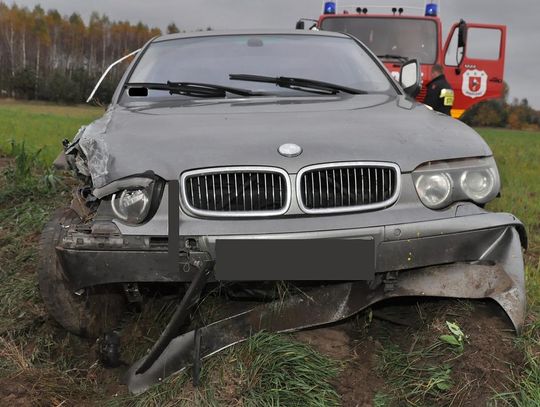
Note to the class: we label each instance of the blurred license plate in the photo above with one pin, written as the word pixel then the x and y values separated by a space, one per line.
pixel 309 259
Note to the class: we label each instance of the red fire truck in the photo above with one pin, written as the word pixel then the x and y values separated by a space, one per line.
pixel 472 56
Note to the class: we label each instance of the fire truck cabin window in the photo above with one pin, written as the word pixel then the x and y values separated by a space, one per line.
pixel 410 38
pixel 483 43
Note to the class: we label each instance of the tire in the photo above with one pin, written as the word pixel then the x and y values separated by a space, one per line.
pixel 96 310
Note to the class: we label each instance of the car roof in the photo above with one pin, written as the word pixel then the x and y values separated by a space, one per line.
pixel 221 33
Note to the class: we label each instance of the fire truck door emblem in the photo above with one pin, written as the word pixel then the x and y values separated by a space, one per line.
pixel 474 83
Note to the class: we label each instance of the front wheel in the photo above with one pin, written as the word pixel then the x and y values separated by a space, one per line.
pixel 89 313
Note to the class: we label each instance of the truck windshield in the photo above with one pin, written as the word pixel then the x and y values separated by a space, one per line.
pixel 211 59
pixel 405 37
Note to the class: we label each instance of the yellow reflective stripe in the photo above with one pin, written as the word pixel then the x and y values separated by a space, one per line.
pixel 446 93
pixel 448 96
pixel 457 113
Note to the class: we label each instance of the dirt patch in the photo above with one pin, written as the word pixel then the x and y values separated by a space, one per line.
pixel 333 341
pixel 5 162
pixel 14 393
pixel 30 388
pixel 484 367
pixel 490 354
pixel 358 382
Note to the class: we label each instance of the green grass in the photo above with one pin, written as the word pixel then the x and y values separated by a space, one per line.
pixel 518 158
pixel 267 370
pixel 418 377
pixel 54 367
pixel 412 377
pixel 32 353
pixel 42 126
pixel 527 385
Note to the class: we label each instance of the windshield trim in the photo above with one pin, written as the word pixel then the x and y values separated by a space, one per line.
pixel 239 33
pixel 381 17
pixel 121 88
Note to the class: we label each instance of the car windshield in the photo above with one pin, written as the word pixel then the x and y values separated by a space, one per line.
pixel 212 59
pixel 385 36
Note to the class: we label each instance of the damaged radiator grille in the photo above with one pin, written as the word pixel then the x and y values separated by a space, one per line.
pixel 253 191
pixel 348 186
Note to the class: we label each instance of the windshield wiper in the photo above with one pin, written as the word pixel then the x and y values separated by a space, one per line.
pixel 192 89
pixel 392 56
pixel 306 85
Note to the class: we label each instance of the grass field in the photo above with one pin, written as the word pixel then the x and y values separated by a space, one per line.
pixel 42 365
pixel 518 157
pixel 42 126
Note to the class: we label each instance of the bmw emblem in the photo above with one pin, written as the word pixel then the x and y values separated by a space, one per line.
pixel 290 150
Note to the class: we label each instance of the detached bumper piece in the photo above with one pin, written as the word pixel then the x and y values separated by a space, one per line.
pixel 498 275
pixel 180 315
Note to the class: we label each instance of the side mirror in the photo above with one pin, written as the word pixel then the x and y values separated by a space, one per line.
pixel 300 25
pixel 410 77
pixel 462 43
pixel 462 34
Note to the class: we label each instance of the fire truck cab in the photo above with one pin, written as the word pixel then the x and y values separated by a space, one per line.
pixel 472 55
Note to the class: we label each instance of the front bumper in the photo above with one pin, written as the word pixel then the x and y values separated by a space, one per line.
pixel 484 248
pixel 93 259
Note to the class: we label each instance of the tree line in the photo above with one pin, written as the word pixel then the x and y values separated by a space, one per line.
pixel 48 56
pixel 517 115
pixel 45 55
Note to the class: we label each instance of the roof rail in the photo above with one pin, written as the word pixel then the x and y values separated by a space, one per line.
pixel 376 7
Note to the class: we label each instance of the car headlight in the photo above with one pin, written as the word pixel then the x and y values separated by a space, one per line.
pixel 434 190
pixel 478 184
pixel 441 183
pixel 135 205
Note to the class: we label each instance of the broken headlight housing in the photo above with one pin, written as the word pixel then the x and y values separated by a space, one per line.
pixel 137 204
pixel 441 183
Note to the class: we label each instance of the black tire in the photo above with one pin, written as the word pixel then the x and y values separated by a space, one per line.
pixel 96 310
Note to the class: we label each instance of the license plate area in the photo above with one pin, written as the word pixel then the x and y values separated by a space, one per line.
pixel 295 260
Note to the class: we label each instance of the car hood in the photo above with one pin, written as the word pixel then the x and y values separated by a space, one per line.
pixel 169 138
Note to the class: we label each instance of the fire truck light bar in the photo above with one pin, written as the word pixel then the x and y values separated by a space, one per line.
pixel 330 7
pixel 431 10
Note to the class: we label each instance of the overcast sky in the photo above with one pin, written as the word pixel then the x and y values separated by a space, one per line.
pixel 522 17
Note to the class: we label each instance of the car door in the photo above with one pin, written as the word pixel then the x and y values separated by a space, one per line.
pixel 474 63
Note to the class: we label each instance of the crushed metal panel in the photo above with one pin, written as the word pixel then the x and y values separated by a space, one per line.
pixel 95 148
pixel 321 306
pixel 502 281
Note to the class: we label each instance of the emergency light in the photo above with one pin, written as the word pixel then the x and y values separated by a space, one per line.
pixel 330 7
pixel 431 10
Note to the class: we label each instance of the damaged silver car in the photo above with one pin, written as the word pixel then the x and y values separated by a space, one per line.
pixel 236 159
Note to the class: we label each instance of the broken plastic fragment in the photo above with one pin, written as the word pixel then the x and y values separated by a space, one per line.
pixel 94 147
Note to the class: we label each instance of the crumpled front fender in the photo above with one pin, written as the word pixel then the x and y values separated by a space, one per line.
pixel 498 274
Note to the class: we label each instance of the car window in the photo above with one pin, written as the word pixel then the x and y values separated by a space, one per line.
pixel 410 38
pixel 211 59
